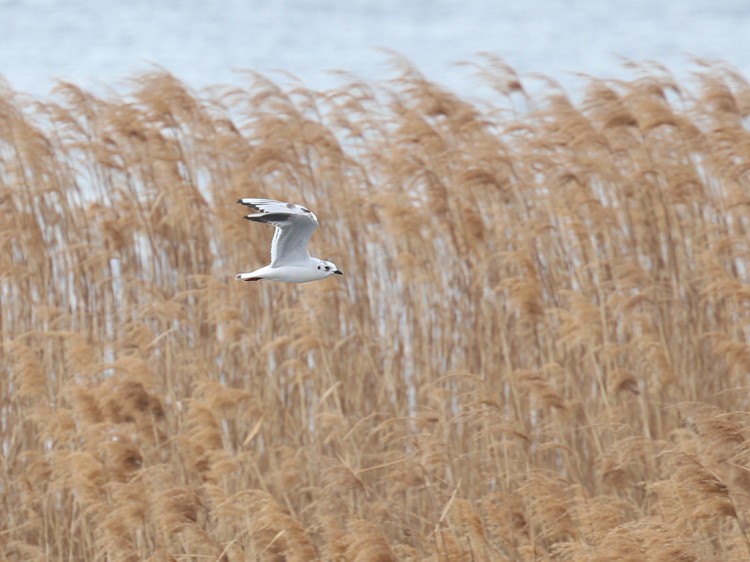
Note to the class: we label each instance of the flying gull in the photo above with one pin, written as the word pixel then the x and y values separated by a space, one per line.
pixel 290 260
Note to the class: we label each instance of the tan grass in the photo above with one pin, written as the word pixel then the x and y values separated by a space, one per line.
pixel 539 349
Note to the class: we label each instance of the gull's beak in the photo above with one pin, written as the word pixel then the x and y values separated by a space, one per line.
pixel 338 272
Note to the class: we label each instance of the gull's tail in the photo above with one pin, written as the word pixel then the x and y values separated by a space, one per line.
pixel 257 275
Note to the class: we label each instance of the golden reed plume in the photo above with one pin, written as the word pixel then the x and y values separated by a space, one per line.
pixel 540 350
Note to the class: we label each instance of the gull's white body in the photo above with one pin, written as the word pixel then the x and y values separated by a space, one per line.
pixel 290 260
pixel 286 273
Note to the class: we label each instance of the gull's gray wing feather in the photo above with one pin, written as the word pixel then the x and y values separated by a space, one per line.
pixel 294 226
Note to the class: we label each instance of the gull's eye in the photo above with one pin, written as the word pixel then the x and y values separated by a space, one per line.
pixel 327 268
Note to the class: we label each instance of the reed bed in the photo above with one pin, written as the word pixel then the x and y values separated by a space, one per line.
pixel 539 349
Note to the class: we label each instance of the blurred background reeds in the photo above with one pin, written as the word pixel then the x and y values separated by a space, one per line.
pixel 539 349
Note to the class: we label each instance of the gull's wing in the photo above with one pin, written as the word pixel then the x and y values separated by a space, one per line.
pixel 294 226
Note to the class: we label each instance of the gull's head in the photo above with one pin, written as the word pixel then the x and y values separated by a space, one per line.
pixel 328 268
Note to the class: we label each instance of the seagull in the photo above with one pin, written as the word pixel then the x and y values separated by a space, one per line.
pixel 290 260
